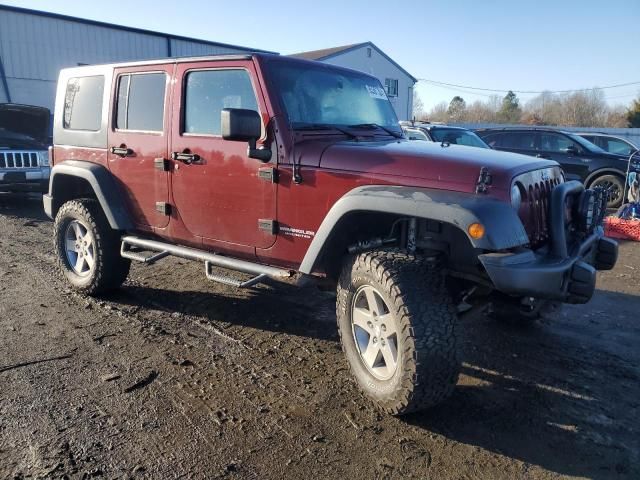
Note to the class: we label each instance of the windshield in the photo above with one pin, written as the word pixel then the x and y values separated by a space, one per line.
pixel 458 137
pixel 586 144
pixel 315 96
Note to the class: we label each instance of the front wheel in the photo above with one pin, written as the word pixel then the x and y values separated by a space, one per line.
pixel 87 248
pixel 614 185
pixel 397 327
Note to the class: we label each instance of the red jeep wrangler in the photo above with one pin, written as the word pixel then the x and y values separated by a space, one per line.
pixel 275 167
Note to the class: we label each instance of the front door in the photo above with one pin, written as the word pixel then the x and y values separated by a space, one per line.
pixel 219 193
pixel 138 141
pixel 556 146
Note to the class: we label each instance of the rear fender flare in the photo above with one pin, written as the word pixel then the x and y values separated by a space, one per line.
pixel 101 181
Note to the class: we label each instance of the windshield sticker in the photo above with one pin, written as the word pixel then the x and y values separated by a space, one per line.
pixel 376 92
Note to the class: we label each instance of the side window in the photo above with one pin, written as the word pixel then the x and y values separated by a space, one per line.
pixel 494 140
pixel 413 134
pixel 140 103
pixel 614 145
pixel 520 140
pixel 207 92
pixel 556 142
pixel 83 103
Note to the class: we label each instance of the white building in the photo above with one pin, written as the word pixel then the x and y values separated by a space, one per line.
pixel 35 45
pixel 368 58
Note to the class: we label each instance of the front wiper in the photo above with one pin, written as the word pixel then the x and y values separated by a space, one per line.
pixel 375 125
pixel 326 126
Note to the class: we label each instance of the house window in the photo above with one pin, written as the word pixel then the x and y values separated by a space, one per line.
pixel 391 86
pixel 369 52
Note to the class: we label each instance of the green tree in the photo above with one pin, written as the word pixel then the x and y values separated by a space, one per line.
pixel 510 111
pixel 457 108
pixel 633 114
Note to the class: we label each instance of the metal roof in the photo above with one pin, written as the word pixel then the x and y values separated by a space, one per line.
pixel 327 53
pixel 127 29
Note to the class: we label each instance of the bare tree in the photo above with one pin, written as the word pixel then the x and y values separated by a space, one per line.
pixel 418 106
pixel 439 113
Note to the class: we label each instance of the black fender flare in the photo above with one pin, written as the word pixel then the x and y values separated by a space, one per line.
pixel 101 181
pixel 502 225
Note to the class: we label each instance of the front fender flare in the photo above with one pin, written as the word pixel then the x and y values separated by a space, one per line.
pixel 502 226
pixel 102 183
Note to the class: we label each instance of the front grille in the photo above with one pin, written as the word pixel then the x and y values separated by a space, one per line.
pixel 11 159
pixel 535 188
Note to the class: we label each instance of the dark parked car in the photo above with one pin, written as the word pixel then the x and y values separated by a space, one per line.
pixel 442 133
pixel 610 143
pixel 24 158
pixel 580 159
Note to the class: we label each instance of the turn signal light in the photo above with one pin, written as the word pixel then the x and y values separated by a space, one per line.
pixel 476 230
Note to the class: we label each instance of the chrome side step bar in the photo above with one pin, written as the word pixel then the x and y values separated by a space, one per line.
pixel 260 272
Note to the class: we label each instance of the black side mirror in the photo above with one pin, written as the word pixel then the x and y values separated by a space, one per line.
pixel 242 125
pixel 572 150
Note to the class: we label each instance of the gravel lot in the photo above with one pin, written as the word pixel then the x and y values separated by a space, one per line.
pixel 176 377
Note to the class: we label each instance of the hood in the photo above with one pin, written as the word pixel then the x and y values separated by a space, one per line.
pixel 20 121
pixel 428 164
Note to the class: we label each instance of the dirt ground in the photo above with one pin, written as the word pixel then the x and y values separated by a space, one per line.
pixel 177 377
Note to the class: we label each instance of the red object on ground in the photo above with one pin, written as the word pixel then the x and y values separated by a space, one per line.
pixel 615 227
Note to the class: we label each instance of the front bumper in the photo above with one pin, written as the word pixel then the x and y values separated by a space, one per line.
pixel 25 180
pixel 564 272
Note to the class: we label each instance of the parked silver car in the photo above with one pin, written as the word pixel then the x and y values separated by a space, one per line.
pixel 610 143
pixel 24 156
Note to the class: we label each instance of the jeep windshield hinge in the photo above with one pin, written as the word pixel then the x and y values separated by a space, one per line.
pixel 484 180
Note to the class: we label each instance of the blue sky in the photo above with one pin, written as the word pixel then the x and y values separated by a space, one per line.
pixel 521 45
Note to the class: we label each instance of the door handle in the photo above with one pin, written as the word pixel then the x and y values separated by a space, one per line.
pixel 122 151
pixel 185 157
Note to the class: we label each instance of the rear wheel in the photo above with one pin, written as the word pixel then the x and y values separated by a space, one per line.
pixel 612 184
pixel 397 327
pixel 88 249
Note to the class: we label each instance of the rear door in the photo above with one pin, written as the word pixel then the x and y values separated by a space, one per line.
pixel 518 141
pixel 138 141
pixel 221 195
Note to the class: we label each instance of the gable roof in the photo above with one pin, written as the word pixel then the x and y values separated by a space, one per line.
pixel 327 53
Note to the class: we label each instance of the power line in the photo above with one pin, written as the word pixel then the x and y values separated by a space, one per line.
pixel 445 84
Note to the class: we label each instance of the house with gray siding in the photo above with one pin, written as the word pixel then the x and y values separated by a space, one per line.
pixel 368 58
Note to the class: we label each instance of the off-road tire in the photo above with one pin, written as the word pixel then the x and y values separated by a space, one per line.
pixel 413 289
pixel 110 269
pixel 611 181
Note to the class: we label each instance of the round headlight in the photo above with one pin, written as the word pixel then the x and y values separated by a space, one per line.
pixel 516 197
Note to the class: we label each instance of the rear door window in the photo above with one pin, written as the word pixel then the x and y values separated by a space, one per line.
pixel 83 103
pixel 519 140
pixel 140 102
pixel 207 92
